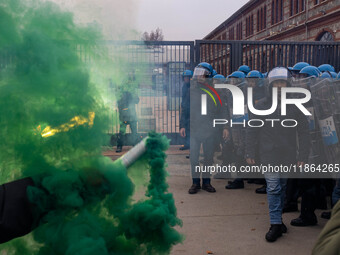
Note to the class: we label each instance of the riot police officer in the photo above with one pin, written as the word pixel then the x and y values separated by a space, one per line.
pixel 297 68
pixel 277 145
pixel 184 122
pixel 326 67
pixel 253 79
pixel 127 112
pixel 245 69
pixel 202 130
pixel 308 188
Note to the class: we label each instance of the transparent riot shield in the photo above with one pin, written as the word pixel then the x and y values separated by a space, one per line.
pixel 317 152
pixel 326 106
pixel 238 125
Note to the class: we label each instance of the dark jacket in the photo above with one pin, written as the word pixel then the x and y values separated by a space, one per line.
pixel 184 121
pixel 127 106
pixel 202 125
pixel 272 140
pixel 238 132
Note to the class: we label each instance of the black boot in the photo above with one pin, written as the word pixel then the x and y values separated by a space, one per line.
pixel 119 149
pixel 284 228
pixel 235 185
pixel 262 190
pixel 274 232
pixel 208 187
pixel 302 222
pixel 194 188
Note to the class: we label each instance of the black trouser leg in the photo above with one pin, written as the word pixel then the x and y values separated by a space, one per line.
pixel 308 202
pixel 292 192
pixel 133 127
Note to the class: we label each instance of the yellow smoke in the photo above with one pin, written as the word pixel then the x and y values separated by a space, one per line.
pixel 74 122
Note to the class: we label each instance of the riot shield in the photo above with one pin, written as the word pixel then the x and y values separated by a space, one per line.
pixel 317 152
pixel 326 107
pixel 237 127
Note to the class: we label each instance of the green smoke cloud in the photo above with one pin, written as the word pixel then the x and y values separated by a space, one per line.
pixel 82 201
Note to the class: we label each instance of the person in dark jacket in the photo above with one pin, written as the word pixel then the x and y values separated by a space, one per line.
pixel 277 146
pixel 309 188
pixel 254 79
pixel 235 147
pixel 184 122
pixel 202 130
pixel 127 113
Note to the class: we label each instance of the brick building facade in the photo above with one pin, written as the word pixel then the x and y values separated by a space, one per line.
pixel 289 20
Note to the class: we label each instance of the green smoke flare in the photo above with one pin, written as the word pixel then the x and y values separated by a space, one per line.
pixel 83 202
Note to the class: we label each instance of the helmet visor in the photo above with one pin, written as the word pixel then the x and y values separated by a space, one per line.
pixel 200 72
pixel 278 73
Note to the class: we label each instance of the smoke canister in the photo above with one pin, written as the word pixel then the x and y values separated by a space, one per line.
pixel 134 154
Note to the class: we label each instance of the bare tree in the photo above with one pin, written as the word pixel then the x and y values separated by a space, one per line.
pixel 156 35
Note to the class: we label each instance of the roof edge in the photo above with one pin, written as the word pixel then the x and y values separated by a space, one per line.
pixel 224 23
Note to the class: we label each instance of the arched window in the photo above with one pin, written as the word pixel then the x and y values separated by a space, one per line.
pixel 325 37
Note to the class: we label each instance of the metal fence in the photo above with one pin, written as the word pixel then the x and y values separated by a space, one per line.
pixel 160 86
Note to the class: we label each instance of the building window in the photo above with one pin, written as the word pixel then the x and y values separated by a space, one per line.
pixel 291 8
pixel 273 11
pixel 231 34
pixel 250 25
pixel 239 31
pixel 265 17
pixel 261 18
pixel 297 6
pixel 325 37
pixel 277 11
pixel 258 20
pixel 318 1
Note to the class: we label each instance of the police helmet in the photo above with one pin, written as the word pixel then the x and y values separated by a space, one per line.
pixel 203 69
pixel 245 69
pixel 326 67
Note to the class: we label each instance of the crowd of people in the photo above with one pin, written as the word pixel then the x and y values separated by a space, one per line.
pixel 305 143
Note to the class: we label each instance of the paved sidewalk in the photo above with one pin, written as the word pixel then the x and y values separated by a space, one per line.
pixel 229 221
